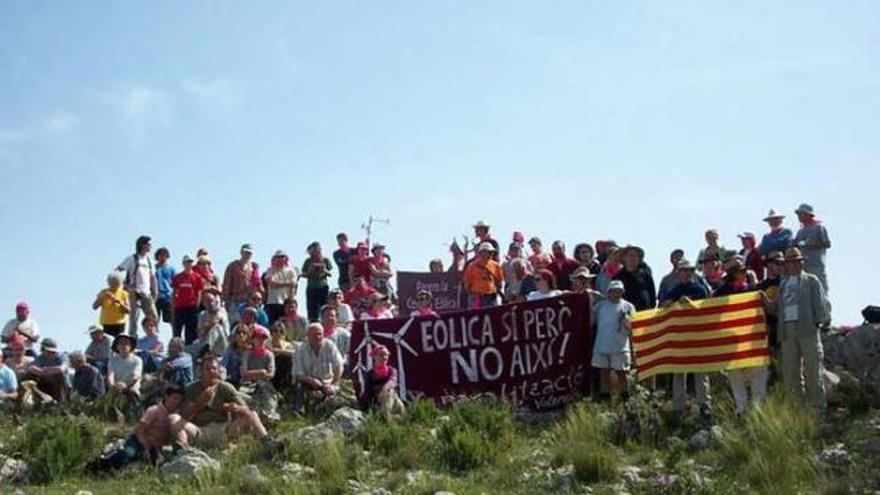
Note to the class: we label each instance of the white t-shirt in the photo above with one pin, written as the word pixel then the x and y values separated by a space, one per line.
pixel 536 295
pixel 344 314
pixel 140 275
pixel 126 370
pixel 790 289
pixel 386 314
pixel 277 295
pixel 28 326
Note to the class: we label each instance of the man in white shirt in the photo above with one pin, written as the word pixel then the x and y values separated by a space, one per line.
pixel 23 328
pixel 141 283
pixel 125 369
pixel 317 368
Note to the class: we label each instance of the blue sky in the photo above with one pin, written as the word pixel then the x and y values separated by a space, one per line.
pixel 279 123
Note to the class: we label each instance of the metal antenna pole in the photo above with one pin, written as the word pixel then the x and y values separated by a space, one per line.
pixel 368 226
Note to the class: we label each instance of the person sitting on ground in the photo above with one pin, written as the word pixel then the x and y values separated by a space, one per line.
pixel 149 347
pixel 18 360
pixel 255 302
pixel 48 370
pixel 281 283
pixel 239 343
pixel 98 352
pixel 343 311
pixel 125 371
pixel 294 323
pixel 482 278
pixel 88 381
pixel 317 368
pixel 8 385
pixel 23 328
pixel 213 328
pixel 425 300
pixel 380 385
pixel 546 286
pixel 114 305
pixel 611 349
pixel 177 369
pixel 688 290
pixel 213 413
pixel 257 371
pixel 358 294
pixel 151 433
pixel 284 352
pixel 340 336
pixel 377 308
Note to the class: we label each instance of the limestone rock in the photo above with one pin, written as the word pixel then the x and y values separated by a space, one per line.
pixel 253 476
pixel 12 471
pixel 189 463
pixel 835 456
pixel 347 421
pixel 315 434
pixel 700 440
pixel 631 475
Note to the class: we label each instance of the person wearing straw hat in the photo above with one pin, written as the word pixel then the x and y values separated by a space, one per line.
pixel 98 351
pixel 611 349
pixel 481 230
pixel 48 370
pixel 779 236
pixel 812 240
pixel 801 309
pixel 483 277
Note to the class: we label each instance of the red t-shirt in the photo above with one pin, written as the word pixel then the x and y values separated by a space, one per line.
pixel 360 265
pixel 187 287
pixel 356 297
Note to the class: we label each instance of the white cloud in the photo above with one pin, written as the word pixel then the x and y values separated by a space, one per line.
pixel 61 122
pixel 215 96
pixel 142 108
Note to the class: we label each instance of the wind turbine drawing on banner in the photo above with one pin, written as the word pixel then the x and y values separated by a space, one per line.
pixel 399 343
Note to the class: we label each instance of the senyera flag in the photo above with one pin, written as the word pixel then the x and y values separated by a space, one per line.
pixel 721 333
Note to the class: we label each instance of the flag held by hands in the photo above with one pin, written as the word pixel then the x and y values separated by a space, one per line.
pixel 717 334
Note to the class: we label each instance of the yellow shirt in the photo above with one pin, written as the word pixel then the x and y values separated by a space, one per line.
pixel 111 314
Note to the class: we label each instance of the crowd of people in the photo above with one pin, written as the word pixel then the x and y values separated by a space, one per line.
pixel 240 344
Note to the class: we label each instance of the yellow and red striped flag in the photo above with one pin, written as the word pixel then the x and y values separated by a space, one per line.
pixel 721 333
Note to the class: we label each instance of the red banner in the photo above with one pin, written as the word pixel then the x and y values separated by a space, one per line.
pixel 536 354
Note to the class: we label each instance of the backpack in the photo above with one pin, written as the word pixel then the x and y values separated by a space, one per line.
pixel 129 274
pixel 871 314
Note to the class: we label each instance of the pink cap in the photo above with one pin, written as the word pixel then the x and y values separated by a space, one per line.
pixel 260 333
pixel 375 350
pixel 518 237
pixel 22 306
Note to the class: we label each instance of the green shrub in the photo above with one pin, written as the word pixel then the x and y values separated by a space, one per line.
pixel 474 435
pixel 422 412
pixel 771 449
pixel 58 446
pixel 404 445
pixel 581 439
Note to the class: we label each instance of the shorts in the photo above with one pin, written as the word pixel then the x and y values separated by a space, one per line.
pixel 619 361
